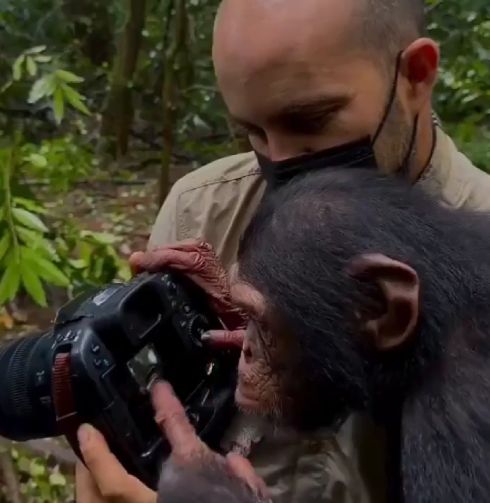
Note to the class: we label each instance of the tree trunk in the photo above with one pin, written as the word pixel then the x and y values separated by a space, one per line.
pixel 118 114
pixel 95 38
pixel 170 92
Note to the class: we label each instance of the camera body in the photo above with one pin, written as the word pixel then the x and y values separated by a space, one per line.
pixel 98 362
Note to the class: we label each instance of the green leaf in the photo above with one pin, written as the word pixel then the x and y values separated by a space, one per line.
pixel 38 160
pixel 37 469
pixel 42 88
pixel 57 479
pixel 69 77
pixel 100 237
pixel 29 204
pixel 10 282
pixel 5 243
pixel 37 243
pixel 46 269
pixel 33 284
pixel 17 67
pixel 75 99
pixel 29 219
pixel 43 58
pixel 24 465
pixel 78 263
pixel 58 105
pixel 36 50
pixel 31 66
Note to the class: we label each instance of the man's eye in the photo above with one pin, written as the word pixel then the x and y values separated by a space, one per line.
pixel 311 125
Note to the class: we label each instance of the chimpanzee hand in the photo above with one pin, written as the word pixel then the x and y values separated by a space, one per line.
pixel 197 260
pixel 106 481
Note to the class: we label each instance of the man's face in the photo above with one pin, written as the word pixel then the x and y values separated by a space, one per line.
pixel 293 74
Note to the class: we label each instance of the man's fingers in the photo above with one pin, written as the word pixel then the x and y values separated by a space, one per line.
pixel 86 490
pixel 225 339
pixel 241 468
pixel 112 480
pixel 172 420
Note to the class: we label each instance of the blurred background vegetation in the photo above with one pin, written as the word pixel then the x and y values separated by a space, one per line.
pixel 103 104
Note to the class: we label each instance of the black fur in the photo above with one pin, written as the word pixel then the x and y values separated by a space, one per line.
pixel 295 252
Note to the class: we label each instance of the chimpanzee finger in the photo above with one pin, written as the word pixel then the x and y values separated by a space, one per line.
pixel 241 468
pixel 225 339
pixel 171 418
pixel 156 260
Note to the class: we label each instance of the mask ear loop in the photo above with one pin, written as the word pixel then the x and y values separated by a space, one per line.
pixel 390 100
pixel 404 166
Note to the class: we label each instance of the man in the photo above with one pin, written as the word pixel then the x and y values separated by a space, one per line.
pixel 334 82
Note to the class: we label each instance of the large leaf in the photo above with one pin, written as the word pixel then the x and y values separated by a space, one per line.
pixel 46 269
pixel 17 67
pixel 33 284
pixel 37 160
pixel 37 243
pixel 58 104
pixel 29 204
pixel 69 77
pixel 5 243
pixel 75 99
pixel 10 282
pixel 36 50
pixel 29 219
pixel 42 88
pixel 31 66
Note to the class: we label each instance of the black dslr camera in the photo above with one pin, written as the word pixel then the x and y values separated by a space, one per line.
pixel 97 363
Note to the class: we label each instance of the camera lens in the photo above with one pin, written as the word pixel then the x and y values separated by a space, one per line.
pixel 26 408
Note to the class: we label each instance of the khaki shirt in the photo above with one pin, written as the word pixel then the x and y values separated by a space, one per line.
pixel 216 203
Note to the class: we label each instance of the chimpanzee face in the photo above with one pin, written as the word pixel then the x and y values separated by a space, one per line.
pixel 318 383
pixel 267 361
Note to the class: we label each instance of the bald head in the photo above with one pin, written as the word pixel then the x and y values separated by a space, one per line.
pixel 305 75
pixel 385 26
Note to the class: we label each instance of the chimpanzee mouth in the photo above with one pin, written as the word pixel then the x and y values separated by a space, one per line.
pixel 246 400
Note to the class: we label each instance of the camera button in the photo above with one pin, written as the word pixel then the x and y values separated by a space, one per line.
pixel 97 363
pixel 187 309
pixel 40 378
pixel 95 348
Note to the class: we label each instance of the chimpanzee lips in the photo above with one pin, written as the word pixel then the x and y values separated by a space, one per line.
pixel 246 399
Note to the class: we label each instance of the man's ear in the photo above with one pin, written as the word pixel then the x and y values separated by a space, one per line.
pixel 419 65
pixel 400 287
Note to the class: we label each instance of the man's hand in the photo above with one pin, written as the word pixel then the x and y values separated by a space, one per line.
pixel 103 479
pixel 197 260
pixel 106 481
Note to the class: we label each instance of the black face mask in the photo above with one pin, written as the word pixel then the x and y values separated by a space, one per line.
pixel 359 153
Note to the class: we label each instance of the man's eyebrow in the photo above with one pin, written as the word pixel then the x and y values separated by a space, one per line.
pixel 314 107
pixel 311 107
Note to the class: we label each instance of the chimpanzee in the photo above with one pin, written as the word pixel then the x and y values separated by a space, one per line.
pixel 365 294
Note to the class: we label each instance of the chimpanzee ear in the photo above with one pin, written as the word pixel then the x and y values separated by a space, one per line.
pixel 400 286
